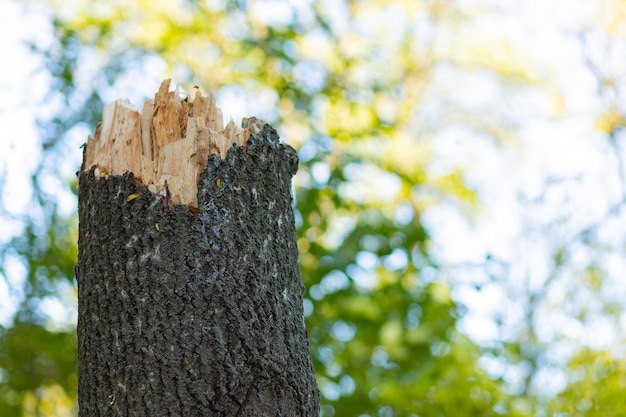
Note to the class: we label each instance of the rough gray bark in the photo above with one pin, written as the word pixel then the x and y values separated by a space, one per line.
pixel 183 314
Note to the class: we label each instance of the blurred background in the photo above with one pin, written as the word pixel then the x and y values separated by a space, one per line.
pixel 460 199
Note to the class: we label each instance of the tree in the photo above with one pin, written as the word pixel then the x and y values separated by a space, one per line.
pixel 366 91
pixel 189 300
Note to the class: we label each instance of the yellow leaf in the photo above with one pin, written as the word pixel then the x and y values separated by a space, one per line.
pixel 157 226
pixel 609 120
pixel 132 196
pixel 218 183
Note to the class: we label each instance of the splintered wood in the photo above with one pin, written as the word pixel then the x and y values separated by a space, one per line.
pixel 167 144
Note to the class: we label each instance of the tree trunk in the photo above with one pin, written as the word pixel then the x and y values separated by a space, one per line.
pixel 194 311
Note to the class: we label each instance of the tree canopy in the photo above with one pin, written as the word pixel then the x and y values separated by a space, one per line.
pixel 395 107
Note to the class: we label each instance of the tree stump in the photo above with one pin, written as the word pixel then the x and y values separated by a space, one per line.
pixel 189 287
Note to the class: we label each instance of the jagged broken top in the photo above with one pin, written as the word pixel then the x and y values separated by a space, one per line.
pixel 169 141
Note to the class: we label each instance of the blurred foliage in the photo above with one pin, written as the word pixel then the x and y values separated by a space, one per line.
pixel 594 390
pixel 360 89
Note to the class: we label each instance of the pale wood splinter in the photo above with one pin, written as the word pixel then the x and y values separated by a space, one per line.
pixel 168 142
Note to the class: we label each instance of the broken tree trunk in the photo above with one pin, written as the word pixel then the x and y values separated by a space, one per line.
pixel 189 288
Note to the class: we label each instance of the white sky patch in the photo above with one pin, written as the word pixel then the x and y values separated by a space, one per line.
pixel 369 184
pixel 61 310
pixel 6 310
pixel 321 173
pixel 11 293
pixel 343 331
pixel 237 103
pixel 337 14
pixel 396 260
pixel 339 225
pixel 364 280
pixel 367 260
pixel 404 213
pixel 19 145
pixel 272 12
pixel 18 157
pixel 137 84
pixel 452 234
pixel 483 305
pixel 600 333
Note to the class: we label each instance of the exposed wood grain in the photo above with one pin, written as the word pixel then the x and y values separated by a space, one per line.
pixel 170 140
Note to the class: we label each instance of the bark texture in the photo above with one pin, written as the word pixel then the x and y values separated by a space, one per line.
pixel 194 314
